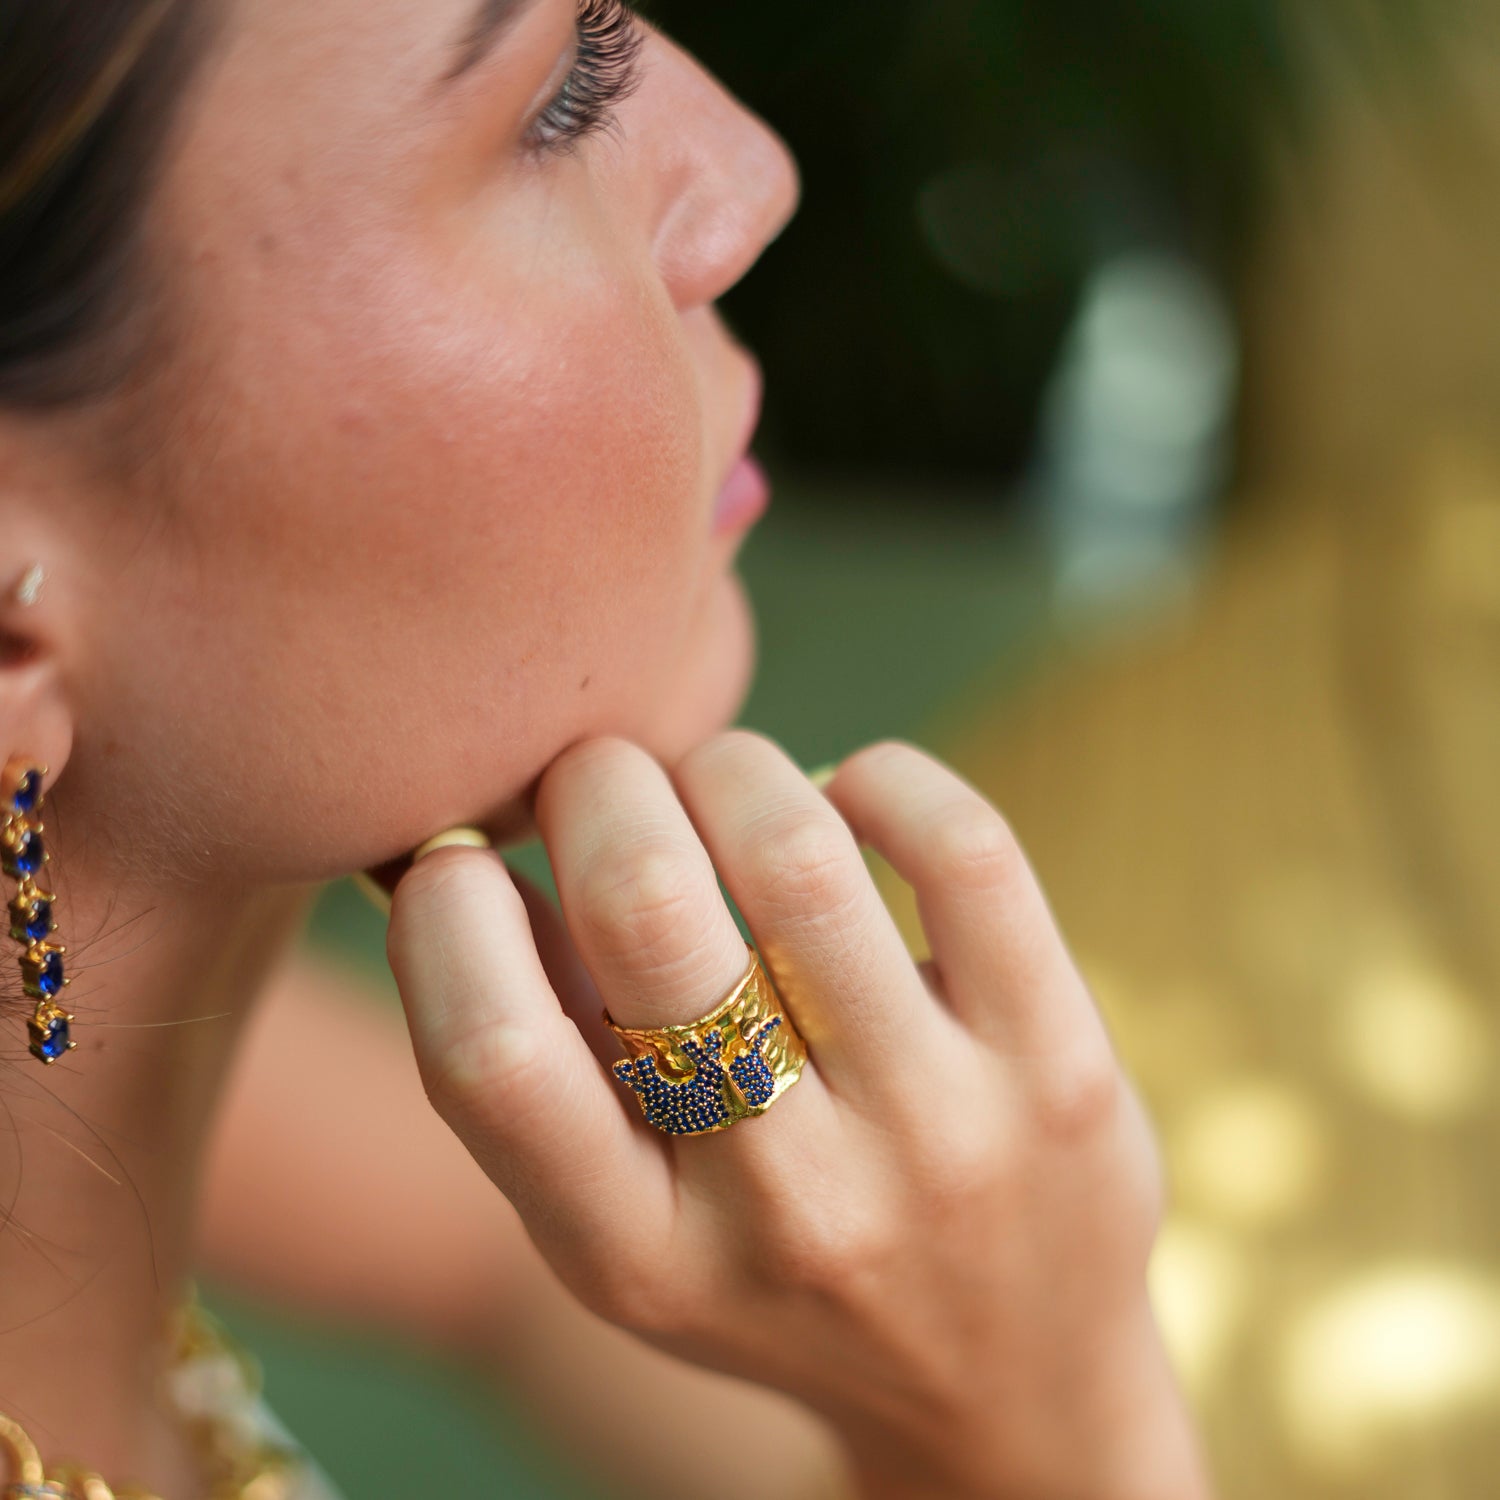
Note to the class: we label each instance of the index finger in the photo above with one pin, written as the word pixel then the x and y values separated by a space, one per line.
pixel 512 1075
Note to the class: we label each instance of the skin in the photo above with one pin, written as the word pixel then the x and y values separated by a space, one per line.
pixel 305 1164
pixel 407 522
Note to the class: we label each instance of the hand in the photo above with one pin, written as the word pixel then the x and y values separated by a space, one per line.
pixel 938 1237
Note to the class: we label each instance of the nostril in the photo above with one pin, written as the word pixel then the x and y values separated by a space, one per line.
pixel 16 650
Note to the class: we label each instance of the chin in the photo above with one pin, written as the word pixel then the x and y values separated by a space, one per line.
pixel 707 692
pixel 717 671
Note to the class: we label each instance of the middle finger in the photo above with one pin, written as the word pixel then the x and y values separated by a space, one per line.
pixel 639 892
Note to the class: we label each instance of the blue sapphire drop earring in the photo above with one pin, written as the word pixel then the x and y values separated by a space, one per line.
pixel 22 855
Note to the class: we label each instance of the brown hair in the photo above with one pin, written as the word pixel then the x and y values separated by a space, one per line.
pixel 87 93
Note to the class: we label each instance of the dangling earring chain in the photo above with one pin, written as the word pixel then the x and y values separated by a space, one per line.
pixel 22 855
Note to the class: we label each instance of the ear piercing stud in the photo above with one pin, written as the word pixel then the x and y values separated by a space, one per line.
pixel 22 855
pixel 29 589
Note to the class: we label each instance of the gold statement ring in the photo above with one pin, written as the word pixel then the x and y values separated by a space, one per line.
pixel 711 1073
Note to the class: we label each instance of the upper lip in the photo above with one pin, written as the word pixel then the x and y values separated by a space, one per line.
pixel 754 392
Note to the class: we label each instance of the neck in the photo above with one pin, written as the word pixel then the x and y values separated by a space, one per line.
pixel 100 1155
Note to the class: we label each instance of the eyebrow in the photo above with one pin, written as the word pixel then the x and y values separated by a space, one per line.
pixel 482 35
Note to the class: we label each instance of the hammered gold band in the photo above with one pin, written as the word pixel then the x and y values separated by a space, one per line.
pixel 709 1074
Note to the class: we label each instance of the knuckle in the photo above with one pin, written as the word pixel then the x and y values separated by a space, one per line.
pixel 638 1282
pixel 1077 1101
pixel 828 1254
pixel 645 908
pixel 625 1289
pixel 973 847
pixel 805 861
pixel 484 1063
pixel 953 1169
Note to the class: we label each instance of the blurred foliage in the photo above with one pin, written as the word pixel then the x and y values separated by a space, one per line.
pixel 965 162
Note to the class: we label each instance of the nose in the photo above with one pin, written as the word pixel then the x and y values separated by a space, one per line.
pixel 725 183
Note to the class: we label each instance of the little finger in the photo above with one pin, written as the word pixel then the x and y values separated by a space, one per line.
pixel 1005 969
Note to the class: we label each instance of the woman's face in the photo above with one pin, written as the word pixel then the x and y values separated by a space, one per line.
pixel 424 485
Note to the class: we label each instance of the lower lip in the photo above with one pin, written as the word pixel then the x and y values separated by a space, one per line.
pixel 744 498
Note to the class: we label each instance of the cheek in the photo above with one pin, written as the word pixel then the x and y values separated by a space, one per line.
pixel 444 539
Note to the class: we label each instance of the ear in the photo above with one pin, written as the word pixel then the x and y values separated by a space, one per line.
pixel 36 721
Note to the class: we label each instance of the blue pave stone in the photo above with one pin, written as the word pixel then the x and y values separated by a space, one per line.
pixel 39 920
pixel 679 1106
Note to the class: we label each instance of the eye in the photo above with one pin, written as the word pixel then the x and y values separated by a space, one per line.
pixel 606 70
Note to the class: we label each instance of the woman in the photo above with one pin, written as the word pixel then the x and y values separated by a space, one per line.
pixel 374 462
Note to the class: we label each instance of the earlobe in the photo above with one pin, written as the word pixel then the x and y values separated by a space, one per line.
pixel 36 720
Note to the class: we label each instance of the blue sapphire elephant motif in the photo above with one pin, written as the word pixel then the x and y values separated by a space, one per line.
pixel 750 1071
pixel 686 1106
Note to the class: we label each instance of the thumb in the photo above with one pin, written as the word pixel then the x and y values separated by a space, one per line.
pixel 511 1075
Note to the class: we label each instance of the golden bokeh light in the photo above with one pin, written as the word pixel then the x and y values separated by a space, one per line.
pixel 1253 1151
pixel 1402 1355
pixel 1408 1038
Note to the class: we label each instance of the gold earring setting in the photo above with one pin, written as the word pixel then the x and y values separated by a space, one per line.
pixel 22 855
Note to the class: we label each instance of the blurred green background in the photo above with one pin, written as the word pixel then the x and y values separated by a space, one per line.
pixel 966 163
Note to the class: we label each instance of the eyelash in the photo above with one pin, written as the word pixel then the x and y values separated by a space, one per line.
pixel 605 71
